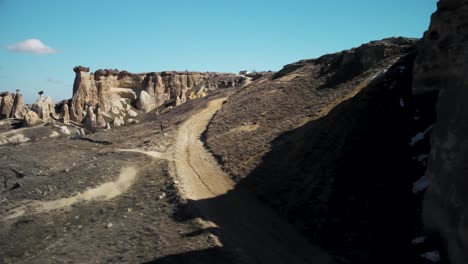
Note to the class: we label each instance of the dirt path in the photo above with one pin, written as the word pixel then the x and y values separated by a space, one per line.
pixel 245 223
pixel 105 191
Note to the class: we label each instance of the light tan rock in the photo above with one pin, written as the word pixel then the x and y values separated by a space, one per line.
pixel 118 121
pixel 145 102
pixel 42 107
pixel 132 113
pixel 132 121
pixel 147 90
pixel 6 106
pixel 100 121
pixel 90 121
pixel 18 110
pixel 31 119
pixel 51 105
pixel 65 114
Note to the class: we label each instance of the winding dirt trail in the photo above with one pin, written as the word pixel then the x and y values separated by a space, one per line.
pixel 244 222
pixel 103 192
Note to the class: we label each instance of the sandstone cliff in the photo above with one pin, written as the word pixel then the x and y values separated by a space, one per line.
pixel 146 91
pixel 442 65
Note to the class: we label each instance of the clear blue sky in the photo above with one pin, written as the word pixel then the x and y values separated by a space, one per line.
pixel 203 35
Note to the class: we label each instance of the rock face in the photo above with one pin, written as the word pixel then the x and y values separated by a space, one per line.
pixel 144 90
pixel 441 65
pixel 7 105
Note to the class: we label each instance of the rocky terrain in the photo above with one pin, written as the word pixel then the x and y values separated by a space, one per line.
pixel 352 157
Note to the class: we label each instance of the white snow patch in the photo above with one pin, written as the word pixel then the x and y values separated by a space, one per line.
pixel 421 184
pixel 433 256
pixel 418 240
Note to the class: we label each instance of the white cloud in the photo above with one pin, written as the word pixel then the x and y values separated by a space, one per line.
pixel 34 46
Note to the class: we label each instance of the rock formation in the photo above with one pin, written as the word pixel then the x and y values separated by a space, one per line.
pixel 18 109
pixel 90 118
pixel 43 107
pixel 348 64
pixel 441 65
pixel 7 105
pixel 30 119
pixel 65 114
pixel 145 90
pixel 100 121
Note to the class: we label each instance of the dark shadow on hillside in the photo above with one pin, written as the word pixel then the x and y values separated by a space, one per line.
pixel 344 181
pixel 212 255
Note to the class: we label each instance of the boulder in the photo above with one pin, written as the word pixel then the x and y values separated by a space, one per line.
pixel 145 102
pixel 119 121
pixel 132 121
pixel 31 119
pixel 132 113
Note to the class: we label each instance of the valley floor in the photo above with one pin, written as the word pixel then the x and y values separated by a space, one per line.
pixel 150 196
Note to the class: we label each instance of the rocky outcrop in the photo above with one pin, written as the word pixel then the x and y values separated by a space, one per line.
pixel 100 121
pixel 18 110
pixel 146 91
pixel 65 114
pixel 441 65
pixel 90 118
pixel 350 63
pixel 7 105
pixel 44 107
pixel 31 119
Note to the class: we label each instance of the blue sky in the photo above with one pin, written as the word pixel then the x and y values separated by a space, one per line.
pixel 203 35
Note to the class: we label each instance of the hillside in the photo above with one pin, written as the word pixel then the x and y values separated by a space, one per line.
pixel 352 157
